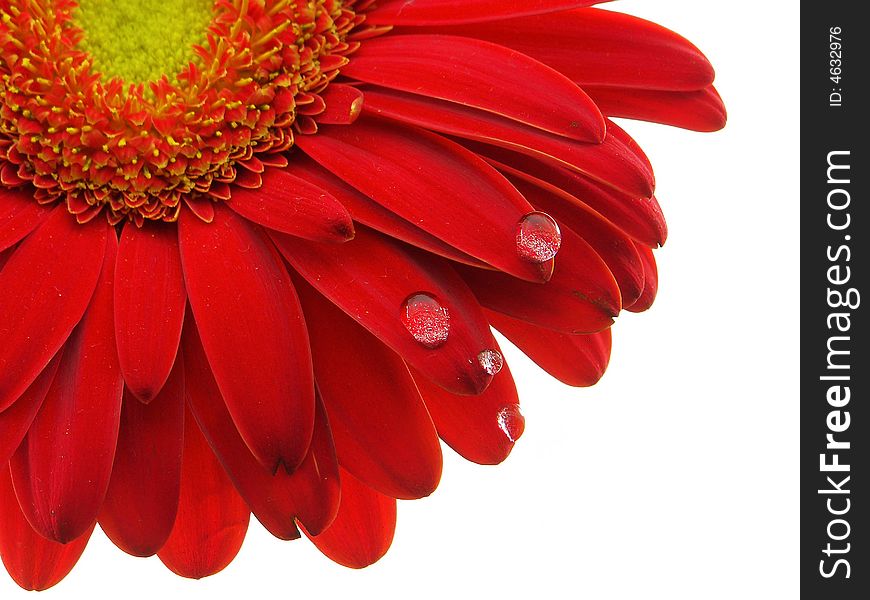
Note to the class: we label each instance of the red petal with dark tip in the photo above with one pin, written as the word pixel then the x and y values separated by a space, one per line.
pixel 292 205
pixel 467 72
pixel 149 306
pixel 44 290
pixel 614 247
pixel 610 162
pixel 577 360
pixel 371 277
pixel 699 110
pixel 142 498
pixel 600 47
pixel 343 105
pixel 310 494
pixel 19 215
pixel 404 169
pixel 482 429
pixel 582 296
pixel 16 420
pixel 651 281
pixel 212 518
pixel 34 562
pixel 363 530
pixel 368 212
pixel 641 218
pixel 253 332
pixel 442 12
pixel 62 468
pixel 385 438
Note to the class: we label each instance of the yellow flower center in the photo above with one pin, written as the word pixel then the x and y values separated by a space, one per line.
pixel 142 40
pixel 137 108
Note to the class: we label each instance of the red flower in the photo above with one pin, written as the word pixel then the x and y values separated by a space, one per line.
pixel 251 265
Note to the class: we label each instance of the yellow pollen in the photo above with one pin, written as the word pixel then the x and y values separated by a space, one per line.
pixel 142 40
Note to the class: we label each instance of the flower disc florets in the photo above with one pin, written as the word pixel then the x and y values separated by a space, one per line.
pixel 140 106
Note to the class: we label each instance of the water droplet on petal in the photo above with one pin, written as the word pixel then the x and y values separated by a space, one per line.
pixel 538 237
pixel 355 109
pixel 511 421
pixel 491 361
pixel 426 320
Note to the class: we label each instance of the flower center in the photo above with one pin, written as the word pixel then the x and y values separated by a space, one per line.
pixel 142 40
pixel 138 108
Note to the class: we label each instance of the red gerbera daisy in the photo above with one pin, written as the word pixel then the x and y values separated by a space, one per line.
pixel 251 252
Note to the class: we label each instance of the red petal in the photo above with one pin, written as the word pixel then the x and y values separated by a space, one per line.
pixel 292 205
pixel 5 255
pixel 700 110
pixel 62 468
pixel 16 420
pixel 363 530
pixel 631 146
pixel 19 215
pixel 433 183
pixel 9 173
pixel 201 206
pixel 578 360
pixel 142 498
pixel 614 247
pixel 651 280
pixel 610 162
pixel 34 562
pixel 371 277
pixel 212 518
pixel 370 213
pixel 309 494
pixel 600 47
pixel 343 105
pixel 149 306
pixel 254 335
pixel 582 296
pixel 383 433
pixel 482 429
pixel 482 75
pixel 442 12
pixel 618 164
pixel 248 179
pixel 44 290
pixel 639 217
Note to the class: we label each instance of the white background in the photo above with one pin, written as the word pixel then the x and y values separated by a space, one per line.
pixel 676 477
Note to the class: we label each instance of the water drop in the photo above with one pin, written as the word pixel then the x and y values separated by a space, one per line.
pixel 355 109
pixel 426 320
pixel 511 421
pixel 491 361
pixel 538 237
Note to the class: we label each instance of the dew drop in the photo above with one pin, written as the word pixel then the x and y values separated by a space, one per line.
pixel 538 237
pixel 491 361
pixel 426 320
pixel 355 109
pixel 511 421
